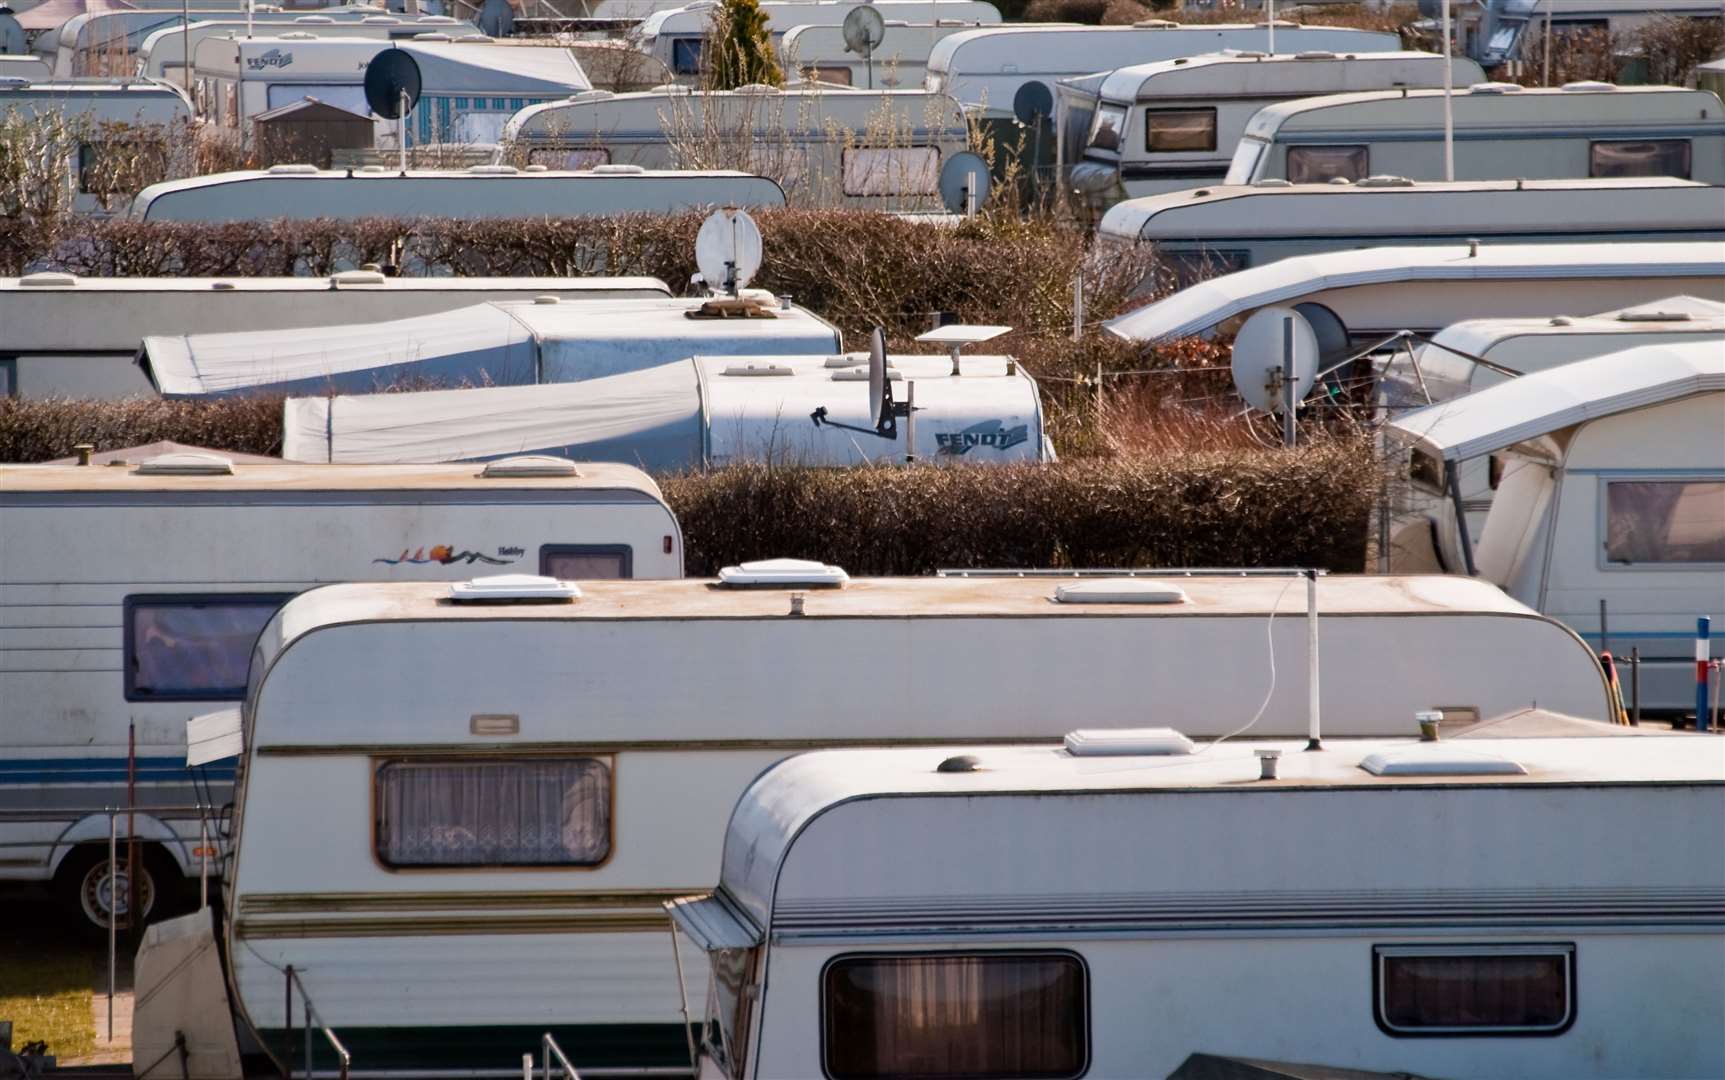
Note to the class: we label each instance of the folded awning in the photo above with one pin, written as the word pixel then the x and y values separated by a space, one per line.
pixel 713 923
pixel 212 737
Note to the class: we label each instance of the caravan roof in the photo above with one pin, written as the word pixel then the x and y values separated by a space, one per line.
pixel 1676 314
pixel 143 101
pixel 806 112
pixel 452 67
pixel 1545 401
pixel 1523 276
pixel 499 344
pixel 1255 74
pixel 783 14
pixel 290 476
pixel 164 47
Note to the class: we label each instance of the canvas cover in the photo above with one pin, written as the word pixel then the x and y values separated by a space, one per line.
pixel 457 68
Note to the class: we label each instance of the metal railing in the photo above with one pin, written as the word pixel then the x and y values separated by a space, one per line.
pixel 548 1050
pixel 312 1020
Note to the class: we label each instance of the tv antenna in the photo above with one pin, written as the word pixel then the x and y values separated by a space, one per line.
pixel 864 30
pixel 1275 362
pixel 728 250
pixel 392 87
pixel 883 411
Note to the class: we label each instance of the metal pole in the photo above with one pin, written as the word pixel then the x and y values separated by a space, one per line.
pixel 1703 653
pixel 401 130
pixel 186 44
pixel 1099 387
pixel 1078 305
pixel 305 1008
pixel 1448 111
pixel 683 997
pixel 1635 685
pixel 1453 482
pixel 287 1020
pixel 113 916
pixel 1270 8
pixel 1547 78
pixel 1604 629
pixel 133 917
pixel 526 1067
pixel 1289 381
pixel 910 420
pixel 203 862
pixel 1314 739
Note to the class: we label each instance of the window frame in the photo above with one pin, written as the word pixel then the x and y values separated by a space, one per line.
pixel 1196 109
pixel 1602 520
pixel 867 174
pixel 1104 108
pixel 1565 949
pixel 1288 163
pixel 1593 146
pixel 1085 1010
pixel 681 48
pixel 379 762
pixel 133 601
pixel 627 551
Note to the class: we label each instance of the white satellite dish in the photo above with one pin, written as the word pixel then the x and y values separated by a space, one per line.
pixel 876 374
pixel 728 249
pixel 1259 350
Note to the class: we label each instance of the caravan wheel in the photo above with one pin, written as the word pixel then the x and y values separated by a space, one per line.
pixel 88 888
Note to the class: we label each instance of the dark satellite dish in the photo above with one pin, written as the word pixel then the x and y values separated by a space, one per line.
pixel 964 182
pixel 1033 103
pixel 863 30
pixel 391 74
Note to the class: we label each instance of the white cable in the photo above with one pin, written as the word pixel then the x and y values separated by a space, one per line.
pixel 1270 639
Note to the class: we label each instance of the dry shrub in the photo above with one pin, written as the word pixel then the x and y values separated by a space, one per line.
pixel 1576 56
pixel 1672 46
pixel 41 429
pixel 1390 18
pixel 1228 507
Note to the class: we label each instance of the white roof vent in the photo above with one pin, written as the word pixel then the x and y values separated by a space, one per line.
pixel 1272 181
pixel 1589 86
pixel 1650 314
pixel 186 464
pixel 296 35
pixel 617 170
pixel 547 298
pixel 379 20
pixel 755 88
pixel 1155 24
pixel 537 168
pixel 1315 54
pixel 848 360
pixel 780 573
pixel 492 170
pixel 860 374
pixel 592 95
pixel 1340 181
pixel 1114 742
pixel 1438 760
pixel 438 20
pixel 1494 88
pixel 317 19
pixel 432 35
pixel 514 589
pixel 373 169
pixel 357 277
pixel 47 279
pixel 528 465
pixel 1120 591
pixel 292 170
pixel 1384 181
pixel 751 370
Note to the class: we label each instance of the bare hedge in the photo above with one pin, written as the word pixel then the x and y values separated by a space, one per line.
pixel 41 429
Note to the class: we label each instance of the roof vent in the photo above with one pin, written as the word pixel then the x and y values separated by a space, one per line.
pixel 296 35
pixel 749 370
pixel 432 35
pixel 1315 54
pixel 847 360
pixel 672 89
pixel 1340 181
pixel 1384 181
pixel 1155 24
pixel 379 20
pixel 186 464
pixel 1112 742
pixel 492 170
pixel 1273 181
pixel 537 168
pixel 514 589
pixel 223 286
pixel 618 170
pixel 438 20
pixel 47 279
pixel 1120 591
pixel 316 19
pixel 373 169
pixel 1438 759
pixel 859 374
pixel 357 277
pixel 592 95
pixel 1494 88
pixel 1248 54
pixel 960 763
pixel 1562 320
pixel 775 573
pixel 292 170
pixel 1588 86
pixel 1653 315
pixel 756 88
pixel 528 465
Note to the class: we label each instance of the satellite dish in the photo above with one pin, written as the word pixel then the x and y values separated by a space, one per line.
pixel 1033 103
pixel 391 74
pixel 864 30
pixel 876 375
pixel 964 175
pixel 1258 352
pixel 728 249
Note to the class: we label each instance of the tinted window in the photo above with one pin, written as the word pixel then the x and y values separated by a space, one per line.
pixel 955 1016
pixel 1105 133
pixel 585 562
pixel 908 170
pixel 540 812
pixel 192 648
pixel 1320 164
pixel 1665 521
pixel 1657 157
pixel 1478 990
pixel 686 56
pixel 1168 130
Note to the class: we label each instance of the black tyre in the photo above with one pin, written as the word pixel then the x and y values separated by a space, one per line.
pixel 88 895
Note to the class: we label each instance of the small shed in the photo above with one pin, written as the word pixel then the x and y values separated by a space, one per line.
pixel 309 131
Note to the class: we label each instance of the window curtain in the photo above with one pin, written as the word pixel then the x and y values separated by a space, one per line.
pixel 1475 991
pixel 505 813
pixel 1664 522
pixel 194 649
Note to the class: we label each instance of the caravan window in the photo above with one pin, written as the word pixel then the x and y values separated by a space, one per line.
pixel 1171 130
pixel 907 170
pixel 953 1015
pixel 586 562
pixel 686 55
pixel 192 648
pixel 1664 521
pixel 349 96
pixel 1106 130
pixel 1320 164
pixel 536 812
pixel 1655 157
pixel 838 76
pixel 1475 989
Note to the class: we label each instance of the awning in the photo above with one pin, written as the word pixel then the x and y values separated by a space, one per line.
pixel 212 737
pixel 713 923
pixel 55 13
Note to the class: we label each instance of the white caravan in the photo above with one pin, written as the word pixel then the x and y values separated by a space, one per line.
pixel 93 109
pixel 102 43
pixel 1502 132
pixel 298 192
pixel 1366 295
pixel 826 146
pixel 470 87
pixel 900 61
pixel 1126 907
pixel 676 36
pixel 1498 31
pixel 1173 125
pixel 986 68
pixel 374 707
pixel 1609 500
pixel 68 336
pixel 26 67
pixel 706 411
pixel 509 343
pixel 1221 229
pixel 162 55
pixel 133 595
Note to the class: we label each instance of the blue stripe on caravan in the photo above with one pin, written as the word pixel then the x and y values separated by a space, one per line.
pixel 107 770
pixel 1629 634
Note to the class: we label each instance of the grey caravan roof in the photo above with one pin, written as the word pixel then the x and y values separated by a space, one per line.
pixel 142 101
pixel 1231 73
pixel 509 343
pixel 1537 404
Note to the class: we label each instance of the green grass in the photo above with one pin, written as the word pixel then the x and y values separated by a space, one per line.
pixel 45 977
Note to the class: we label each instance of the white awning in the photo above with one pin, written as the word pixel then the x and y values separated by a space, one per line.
pixel 212 737
pixel 714 923
pixel 1545 401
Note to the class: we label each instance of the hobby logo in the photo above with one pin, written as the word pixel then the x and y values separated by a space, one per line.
pixel 990 433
